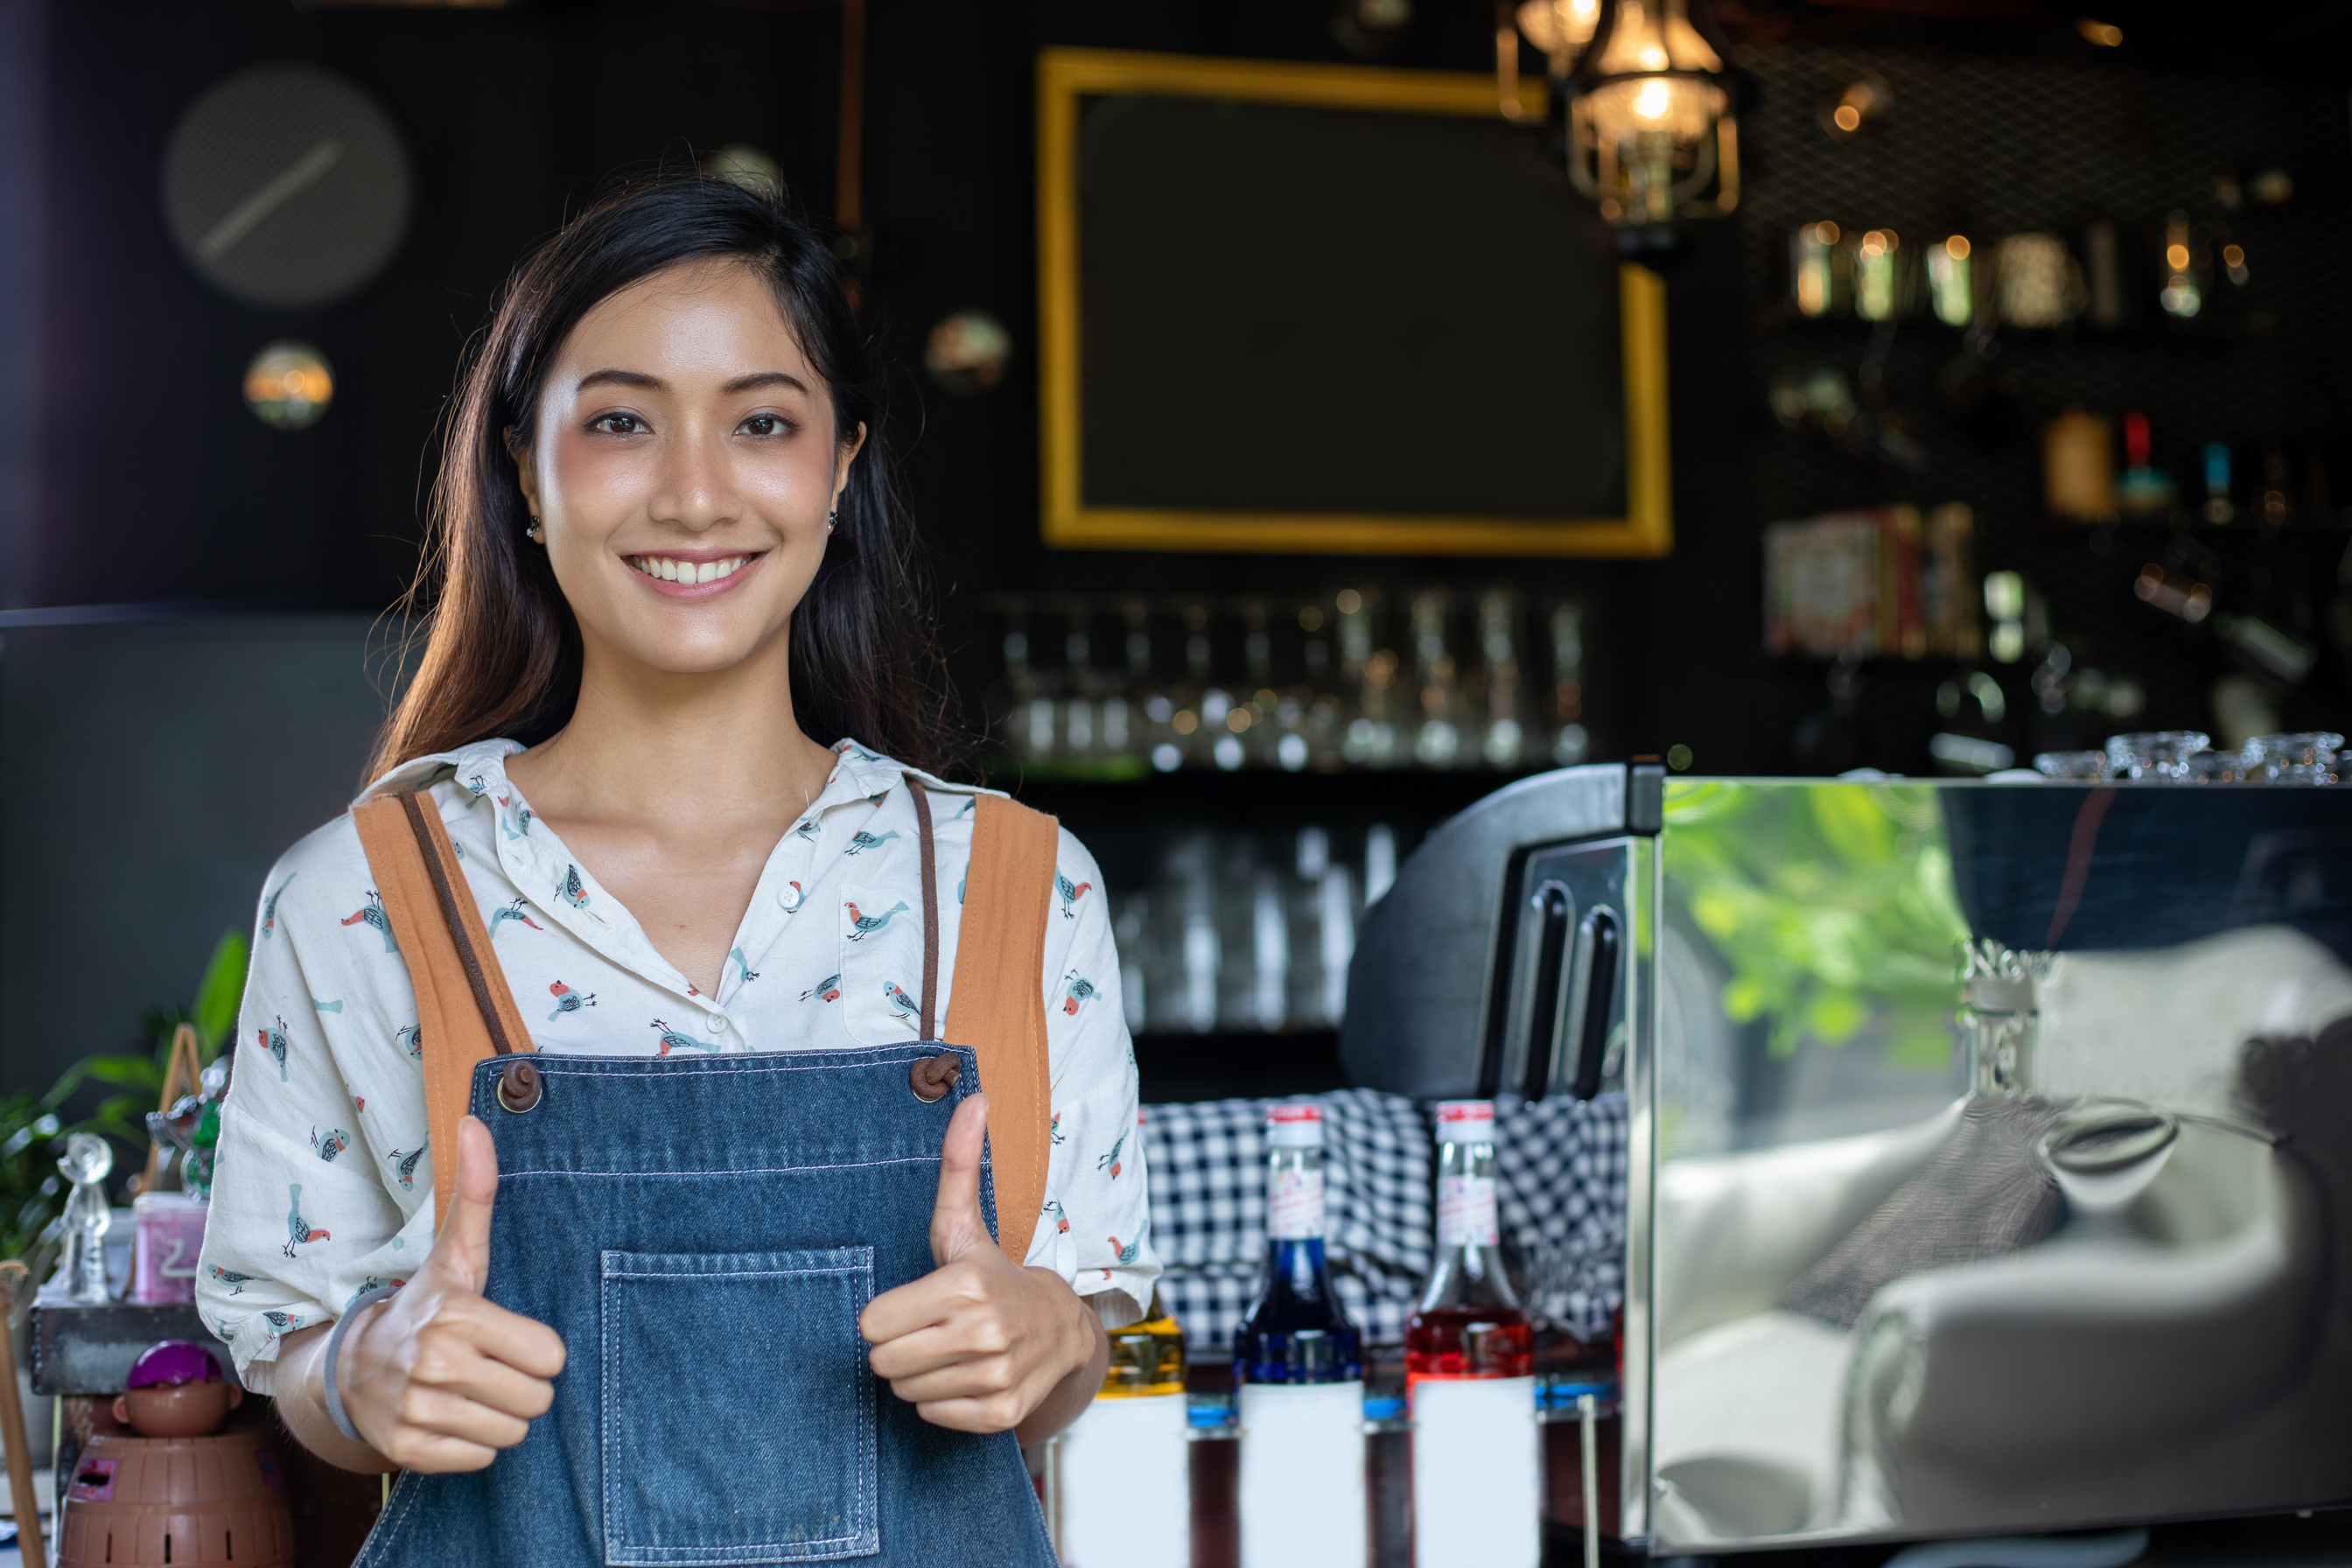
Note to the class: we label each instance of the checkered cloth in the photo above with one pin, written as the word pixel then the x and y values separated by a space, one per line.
pixel 1561 1181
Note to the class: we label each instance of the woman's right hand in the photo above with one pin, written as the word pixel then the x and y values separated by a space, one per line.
pixel 436 1377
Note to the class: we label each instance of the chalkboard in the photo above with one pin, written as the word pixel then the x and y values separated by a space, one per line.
pixel 1335 308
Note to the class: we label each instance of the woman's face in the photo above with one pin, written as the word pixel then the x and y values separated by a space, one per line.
pixel 683 462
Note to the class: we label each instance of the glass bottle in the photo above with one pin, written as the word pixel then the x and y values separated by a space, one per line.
pixel 1123 1491
pixel 1299 1376
pixel 1438 741
pixel 1147 1357
pixel 1469 1322
pixel 1298 1331
pixel 1469 1356
pixel 1505 736
pixel 1571 740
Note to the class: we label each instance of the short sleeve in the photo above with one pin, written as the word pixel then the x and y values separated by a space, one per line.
pixel 1096 1228
pixel 304 1215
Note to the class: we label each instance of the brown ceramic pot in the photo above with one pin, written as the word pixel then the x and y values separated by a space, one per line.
pixel 144 1502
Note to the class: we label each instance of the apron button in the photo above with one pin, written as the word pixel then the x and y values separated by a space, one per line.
pixel 932 1077
pixel 520 1087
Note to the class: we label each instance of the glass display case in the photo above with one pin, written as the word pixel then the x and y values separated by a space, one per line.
pixel 1986 1140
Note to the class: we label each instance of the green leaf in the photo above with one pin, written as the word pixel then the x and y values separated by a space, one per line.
pixel 219 991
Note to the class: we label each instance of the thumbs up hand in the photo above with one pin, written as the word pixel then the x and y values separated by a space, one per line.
pixel 436 1378
pixel 981 1344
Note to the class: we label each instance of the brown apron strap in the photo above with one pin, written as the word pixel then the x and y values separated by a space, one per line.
pixel 465 1009
pixel 931 906
pixel 997 1004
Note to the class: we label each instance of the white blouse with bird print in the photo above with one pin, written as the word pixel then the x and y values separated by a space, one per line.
pixel 324 1184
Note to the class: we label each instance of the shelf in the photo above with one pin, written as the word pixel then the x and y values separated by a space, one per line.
pixel 1177 1068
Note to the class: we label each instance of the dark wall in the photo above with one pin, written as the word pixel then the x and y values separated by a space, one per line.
pixel 145 479
pixel 150 773
pixel 154 483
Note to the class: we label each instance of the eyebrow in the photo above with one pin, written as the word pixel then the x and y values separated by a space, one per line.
pixel 757 379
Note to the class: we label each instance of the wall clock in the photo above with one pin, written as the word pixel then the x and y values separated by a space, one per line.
pixel 286 185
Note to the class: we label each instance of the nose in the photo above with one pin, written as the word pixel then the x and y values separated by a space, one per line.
pixel 694 490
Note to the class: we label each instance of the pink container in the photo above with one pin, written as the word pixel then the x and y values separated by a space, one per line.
pixel 168 1235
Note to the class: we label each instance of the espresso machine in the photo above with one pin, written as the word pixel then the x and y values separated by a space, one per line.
pixel 1989 1143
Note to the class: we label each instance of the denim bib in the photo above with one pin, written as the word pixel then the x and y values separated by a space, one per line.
pixel 703 1232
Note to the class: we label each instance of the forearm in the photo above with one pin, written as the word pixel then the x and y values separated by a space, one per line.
pixel 302 1403
pixel 1070 1396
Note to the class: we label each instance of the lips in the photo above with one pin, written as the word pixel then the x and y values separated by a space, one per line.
pixel 694 577
pixel 686 573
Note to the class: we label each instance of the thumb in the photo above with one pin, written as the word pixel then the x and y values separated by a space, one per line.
pixel 462 1250
pixel 957 1224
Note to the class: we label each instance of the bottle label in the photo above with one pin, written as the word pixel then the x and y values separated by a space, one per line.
pixel 1465 1211
pixel 1294 1205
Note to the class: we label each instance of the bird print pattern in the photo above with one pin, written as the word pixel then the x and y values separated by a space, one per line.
pixel 309 1209
pixel 269 907
pixel 236 1281
pixel 373 1282
pixel 567 1000
pixel 862 925
pixel 298 1229
pixel 273 1041
pixel 371 913
pixel 673 1040
pixel 513 910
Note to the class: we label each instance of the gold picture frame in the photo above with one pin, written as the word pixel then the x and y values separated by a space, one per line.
pixel 1065 76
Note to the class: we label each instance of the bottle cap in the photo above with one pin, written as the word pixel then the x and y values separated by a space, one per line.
pixel 1466 1122
pixel 1295 1125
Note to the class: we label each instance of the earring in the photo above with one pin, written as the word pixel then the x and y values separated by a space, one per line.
pixel 831 518
pixel 533 532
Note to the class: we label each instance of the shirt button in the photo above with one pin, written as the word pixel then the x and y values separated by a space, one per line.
pixel 718 1024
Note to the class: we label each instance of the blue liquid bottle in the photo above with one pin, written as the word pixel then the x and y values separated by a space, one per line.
pixel 1298 1370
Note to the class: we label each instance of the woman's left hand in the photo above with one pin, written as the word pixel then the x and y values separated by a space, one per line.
pixel 981 1344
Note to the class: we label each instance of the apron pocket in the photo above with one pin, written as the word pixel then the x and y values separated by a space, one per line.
pixel 737 1422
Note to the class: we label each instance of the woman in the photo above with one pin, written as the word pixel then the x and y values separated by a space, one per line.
pixel 669 554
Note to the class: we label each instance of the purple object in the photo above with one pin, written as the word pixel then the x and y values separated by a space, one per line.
pixel 172 1363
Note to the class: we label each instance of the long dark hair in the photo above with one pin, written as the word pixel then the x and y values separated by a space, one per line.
pixel 502 655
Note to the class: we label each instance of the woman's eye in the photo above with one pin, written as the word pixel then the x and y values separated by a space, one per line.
pixel 618 425
pixel 766 424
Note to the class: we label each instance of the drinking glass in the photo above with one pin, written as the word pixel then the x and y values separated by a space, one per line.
pixel 2307 758
pixel 2159 755
pixel 2073 764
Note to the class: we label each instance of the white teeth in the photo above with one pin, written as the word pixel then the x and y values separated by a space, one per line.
pixel 671 570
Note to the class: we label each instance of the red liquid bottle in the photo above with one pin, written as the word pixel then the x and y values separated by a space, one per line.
pixel 1469 1360
pixel 1469 1322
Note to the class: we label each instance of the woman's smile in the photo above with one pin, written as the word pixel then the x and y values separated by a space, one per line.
pixel 694 574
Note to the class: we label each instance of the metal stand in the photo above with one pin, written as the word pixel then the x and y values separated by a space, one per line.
pixel 1588 1424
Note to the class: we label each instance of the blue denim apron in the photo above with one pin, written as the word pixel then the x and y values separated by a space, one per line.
pixel 702 1232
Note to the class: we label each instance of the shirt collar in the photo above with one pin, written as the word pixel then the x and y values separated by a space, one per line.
pixel 480 766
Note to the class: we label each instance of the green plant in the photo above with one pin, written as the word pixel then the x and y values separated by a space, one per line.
pixel 1833 905
pixel 31 1125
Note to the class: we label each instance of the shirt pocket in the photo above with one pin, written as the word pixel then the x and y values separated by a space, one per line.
pixel 765 1454
pixel 881 965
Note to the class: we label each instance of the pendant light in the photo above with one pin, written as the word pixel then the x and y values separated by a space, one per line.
pixel 1650 135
